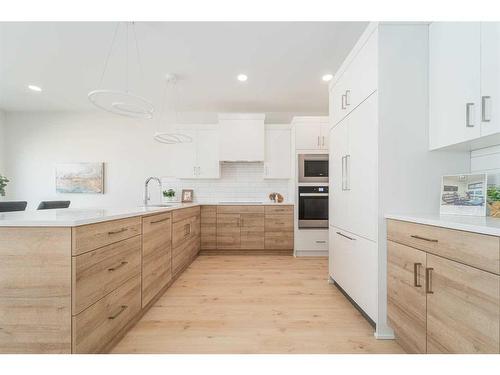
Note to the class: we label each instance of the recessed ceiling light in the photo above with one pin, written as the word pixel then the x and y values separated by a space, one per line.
pixel 242 77
pixel 35 88
pixel 327 77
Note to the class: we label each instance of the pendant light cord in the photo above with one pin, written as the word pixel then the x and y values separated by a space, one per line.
pixel 109 54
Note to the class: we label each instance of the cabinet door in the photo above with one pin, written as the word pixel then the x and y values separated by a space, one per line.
pixel 156 255
pixel 462 308
pixel 361 168
pixel 490 78
pixel 185 157
pixel 228 231
pixel 324 133
pixel 241 140
pixel 338 108
pixel 278 154
pixel 307 136
pixel 252 231
pixel 338 198
pixel 406 300
pixel 207 153
pixel 454 82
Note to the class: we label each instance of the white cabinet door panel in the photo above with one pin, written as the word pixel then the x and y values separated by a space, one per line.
pixel 207 153
pixel 307 136
pixel 490 78
pixel 241 140
pixel 362 169
pixel 185 156
pixel 278 160
pixel 454 82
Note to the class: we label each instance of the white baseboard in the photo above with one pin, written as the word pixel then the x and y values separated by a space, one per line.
pixel 311 253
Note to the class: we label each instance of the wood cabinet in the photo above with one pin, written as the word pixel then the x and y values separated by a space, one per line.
pixel 311 133
pixel 185 237
pixel 278 155
pixel 156 254
pixel 200 158
pixel 252 231
pixel 228 231
pixel 450 306
pixel 406 299
pixel 278 227
pixel 208 227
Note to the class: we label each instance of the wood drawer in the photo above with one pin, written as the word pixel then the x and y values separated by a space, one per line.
pixel 182 254
pixel 277 210
pixel 93 236
pixel 185 229
pixel 477 250
pixel 184 213
pixel 279 223
pixel 95 327
pixel 101 271
pixel 245 209
pixel 278 240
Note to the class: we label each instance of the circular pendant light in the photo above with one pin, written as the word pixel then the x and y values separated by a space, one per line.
pixel 122 102
pixel 168 136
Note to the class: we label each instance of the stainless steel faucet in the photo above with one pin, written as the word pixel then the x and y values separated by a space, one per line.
pixel 146 192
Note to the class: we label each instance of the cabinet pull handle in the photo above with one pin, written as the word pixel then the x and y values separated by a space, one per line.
pixel 485 108
pixel 318 141
pixel 160 221
pixel 428 280
pixel 423 238
pixel 343 235
pixel 320 241
pixel 416 276
pixel 343 173
pixel 469 112
pixel 323 141
pixel 118 266
pixel 118 231
pixel 347 93
pixel 347 176
pixel 122 309
pixel 187 229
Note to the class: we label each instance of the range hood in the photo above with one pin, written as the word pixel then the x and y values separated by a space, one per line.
pixel 241 137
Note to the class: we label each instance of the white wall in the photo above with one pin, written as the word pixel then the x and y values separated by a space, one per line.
pixel 2 142
pixel 35 142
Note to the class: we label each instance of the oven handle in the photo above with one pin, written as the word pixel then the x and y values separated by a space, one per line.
pixel 313 195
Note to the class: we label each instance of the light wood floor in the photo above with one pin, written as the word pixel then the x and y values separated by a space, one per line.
pixel 253 304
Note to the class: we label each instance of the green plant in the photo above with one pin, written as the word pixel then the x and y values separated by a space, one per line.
pixel 493 193
pixel 170 193
pixel 3 184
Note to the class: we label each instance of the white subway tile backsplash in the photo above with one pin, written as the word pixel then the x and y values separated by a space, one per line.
pixel 238 182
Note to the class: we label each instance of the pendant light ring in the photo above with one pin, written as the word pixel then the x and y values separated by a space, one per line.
pixel 122 103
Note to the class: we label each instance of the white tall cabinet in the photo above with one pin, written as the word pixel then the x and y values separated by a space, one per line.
pixel 278 153
pixel 464 83
pixel 379 157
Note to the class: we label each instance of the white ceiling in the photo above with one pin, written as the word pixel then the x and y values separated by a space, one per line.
pixel 283 60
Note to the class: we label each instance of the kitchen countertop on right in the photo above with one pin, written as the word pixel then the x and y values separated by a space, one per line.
pixel 477 224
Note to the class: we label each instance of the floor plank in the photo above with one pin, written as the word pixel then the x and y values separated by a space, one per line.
pixel 253 304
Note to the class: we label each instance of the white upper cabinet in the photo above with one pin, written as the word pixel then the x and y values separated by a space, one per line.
pixel 490 78
pixel 357 82
pixel 311 133
pixel 454 82
pixel 278 156
pixel 241 137
pixel 200 158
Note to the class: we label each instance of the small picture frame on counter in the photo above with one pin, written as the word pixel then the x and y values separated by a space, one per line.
pixel 464 194
pixel 187 195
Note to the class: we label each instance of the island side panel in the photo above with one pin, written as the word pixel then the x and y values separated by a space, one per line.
pixel 35 290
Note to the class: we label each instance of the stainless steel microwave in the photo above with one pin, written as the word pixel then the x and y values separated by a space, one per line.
pixel 313 168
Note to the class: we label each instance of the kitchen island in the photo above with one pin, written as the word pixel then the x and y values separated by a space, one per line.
pixel 76 280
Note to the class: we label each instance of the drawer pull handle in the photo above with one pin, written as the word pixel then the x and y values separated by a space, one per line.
pixel 118 231
pixel 428 280
pixel 423 238
pixel 187 229
pixel 343 235
pixel 160 221
pixel 320 241
pixel 416 276
pixel 122 309
pixel 118 266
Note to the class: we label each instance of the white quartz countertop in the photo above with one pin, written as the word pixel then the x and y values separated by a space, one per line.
pixel 478 224
pixel 71 217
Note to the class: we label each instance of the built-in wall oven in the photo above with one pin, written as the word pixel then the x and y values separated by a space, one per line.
pixel 313 207
pixel 313 168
